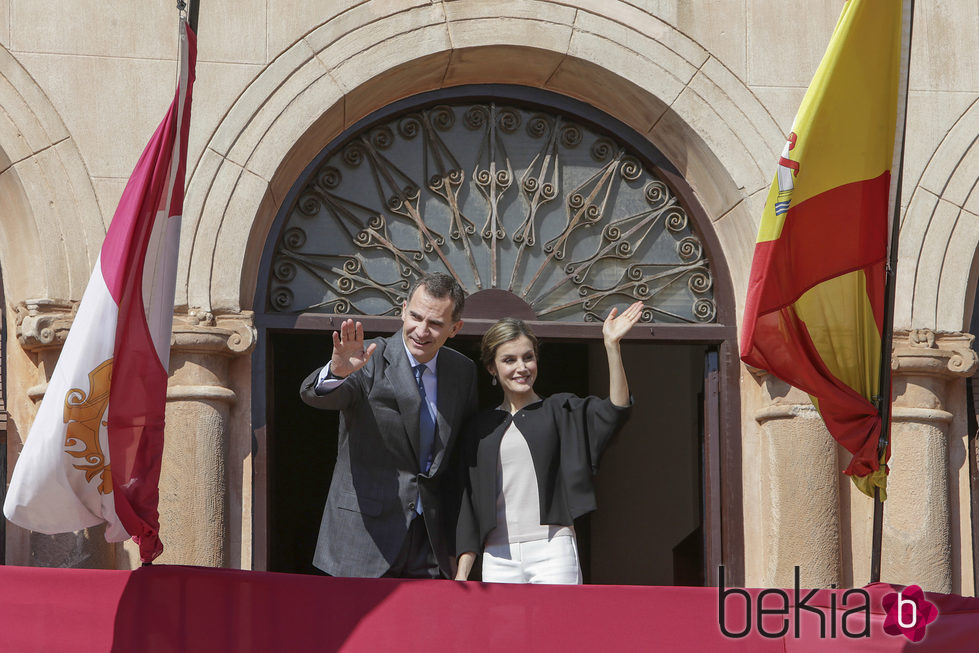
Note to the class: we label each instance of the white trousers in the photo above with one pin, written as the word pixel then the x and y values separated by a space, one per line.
pixel 553 561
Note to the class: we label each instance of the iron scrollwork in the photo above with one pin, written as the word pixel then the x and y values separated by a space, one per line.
pixel 498 196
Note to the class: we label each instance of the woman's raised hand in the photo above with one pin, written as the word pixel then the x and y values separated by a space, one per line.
pixel 349 354
pixel 616 326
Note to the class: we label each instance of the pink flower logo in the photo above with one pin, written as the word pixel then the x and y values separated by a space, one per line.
pixel 908 613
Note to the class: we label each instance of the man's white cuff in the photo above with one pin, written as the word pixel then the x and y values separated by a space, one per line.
pixel 326 383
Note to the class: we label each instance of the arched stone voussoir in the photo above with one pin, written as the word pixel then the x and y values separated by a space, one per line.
pixel 956 287
pixel 940 234
pixel 51 226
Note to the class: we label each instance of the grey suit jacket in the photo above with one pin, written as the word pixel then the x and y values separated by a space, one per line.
pixel 377 477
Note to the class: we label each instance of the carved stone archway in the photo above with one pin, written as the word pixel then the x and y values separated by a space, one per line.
pixel 531 200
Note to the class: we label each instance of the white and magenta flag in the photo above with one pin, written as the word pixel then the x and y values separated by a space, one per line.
pixel 94 450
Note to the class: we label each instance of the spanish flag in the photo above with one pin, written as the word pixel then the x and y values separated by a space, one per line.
pixel 814 314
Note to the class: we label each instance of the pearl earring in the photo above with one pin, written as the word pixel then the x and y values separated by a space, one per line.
pixel 494 379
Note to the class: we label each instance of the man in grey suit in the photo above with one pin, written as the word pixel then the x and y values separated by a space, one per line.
pixel 402 401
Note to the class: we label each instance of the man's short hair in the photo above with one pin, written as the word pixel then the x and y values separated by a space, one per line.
pixel 440 285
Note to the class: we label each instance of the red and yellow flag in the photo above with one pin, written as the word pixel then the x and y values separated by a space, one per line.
pixel 815 305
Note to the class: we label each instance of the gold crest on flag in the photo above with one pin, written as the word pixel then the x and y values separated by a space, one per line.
pixel 84 416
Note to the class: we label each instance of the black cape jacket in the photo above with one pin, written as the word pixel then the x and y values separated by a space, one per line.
pixel 566 435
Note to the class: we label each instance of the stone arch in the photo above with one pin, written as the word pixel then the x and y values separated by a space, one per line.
pixel 665 86
pixel 51 226
pixel 938 265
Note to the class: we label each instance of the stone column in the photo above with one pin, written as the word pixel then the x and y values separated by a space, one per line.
pixel 800 477
pixel 917 540
pixel 193 481
pixel 42 326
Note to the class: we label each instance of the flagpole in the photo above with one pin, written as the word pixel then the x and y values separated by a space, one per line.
pixel 190 14
pixel 884 399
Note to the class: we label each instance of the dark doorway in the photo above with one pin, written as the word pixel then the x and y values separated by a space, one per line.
pixel 648 529
pixel 302 451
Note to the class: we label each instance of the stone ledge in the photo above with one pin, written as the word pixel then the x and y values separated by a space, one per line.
pixel 786 411
pixel 917 415
pixel 201 393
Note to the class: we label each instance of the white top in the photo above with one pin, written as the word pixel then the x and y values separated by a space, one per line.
pixel 517 495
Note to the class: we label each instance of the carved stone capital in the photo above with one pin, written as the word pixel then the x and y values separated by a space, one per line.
pixel 927 353
pixel 201 331
pixel 43 323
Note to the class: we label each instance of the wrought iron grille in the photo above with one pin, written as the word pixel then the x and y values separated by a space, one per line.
pixel 499 196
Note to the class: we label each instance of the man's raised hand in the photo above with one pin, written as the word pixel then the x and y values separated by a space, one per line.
pixel 349 354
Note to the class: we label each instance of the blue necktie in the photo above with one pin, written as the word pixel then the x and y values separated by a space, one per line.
pixel 426 424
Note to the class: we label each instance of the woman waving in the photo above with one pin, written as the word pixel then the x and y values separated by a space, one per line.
pixel 529 462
